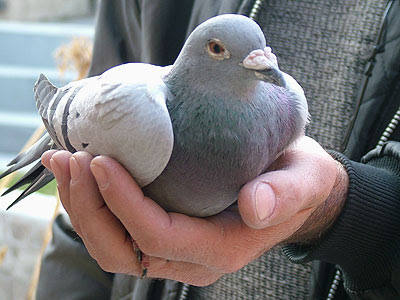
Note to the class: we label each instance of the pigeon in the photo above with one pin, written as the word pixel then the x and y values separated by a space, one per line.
pixel 191 134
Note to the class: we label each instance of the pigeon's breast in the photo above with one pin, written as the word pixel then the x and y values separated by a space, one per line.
pixel 218 147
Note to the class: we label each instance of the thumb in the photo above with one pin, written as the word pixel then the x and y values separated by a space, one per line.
pixel 257 203
pixel 277 196
pixel 270 199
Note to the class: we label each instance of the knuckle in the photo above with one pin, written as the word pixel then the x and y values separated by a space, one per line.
pixel 106 265
pixel 200 280
pixel 105 261
pixel 149 247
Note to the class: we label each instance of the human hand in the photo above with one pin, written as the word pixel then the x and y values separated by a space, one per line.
pixel 107 209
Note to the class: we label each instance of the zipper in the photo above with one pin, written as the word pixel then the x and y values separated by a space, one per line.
pixel 334 285
pixel 255 10
pixel 386 133
pixel 389 129
pixel 184 292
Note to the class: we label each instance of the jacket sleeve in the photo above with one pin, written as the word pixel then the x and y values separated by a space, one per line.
pixel 67 270
pixel 117 35
pixel 150 31
pixel 140 31
pixel 365 241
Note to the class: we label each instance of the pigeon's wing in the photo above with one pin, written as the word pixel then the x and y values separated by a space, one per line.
pixel 293 86
pixel 123 114
pixel 45 92
pixel 53 106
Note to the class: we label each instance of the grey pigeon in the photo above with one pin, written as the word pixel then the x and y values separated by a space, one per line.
pixel 191 134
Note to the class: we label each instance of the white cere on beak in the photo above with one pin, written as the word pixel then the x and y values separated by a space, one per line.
pixel 261 59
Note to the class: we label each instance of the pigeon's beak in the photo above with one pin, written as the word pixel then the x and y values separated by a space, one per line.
pixel 265 66
pixel 271 75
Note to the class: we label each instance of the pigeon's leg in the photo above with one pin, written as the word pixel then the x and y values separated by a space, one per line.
pixel 142 258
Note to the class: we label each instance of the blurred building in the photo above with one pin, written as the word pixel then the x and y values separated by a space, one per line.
pixel 45 10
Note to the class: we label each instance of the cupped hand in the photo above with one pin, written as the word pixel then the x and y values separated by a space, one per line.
pixel 108 209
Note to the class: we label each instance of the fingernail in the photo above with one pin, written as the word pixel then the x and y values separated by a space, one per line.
pixel 75 169
pixel 55 168
pixel 265 201
pixel 100 175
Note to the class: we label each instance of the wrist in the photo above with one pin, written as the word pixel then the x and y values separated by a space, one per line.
pixel 324 216
pixel 364 239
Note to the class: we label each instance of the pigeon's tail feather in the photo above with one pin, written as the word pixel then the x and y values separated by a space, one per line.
pixel 29 156
pixel 44 92
pixel 28 177
pixel 37 177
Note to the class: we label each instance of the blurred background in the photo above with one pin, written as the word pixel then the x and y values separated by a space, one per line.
pixel 53 37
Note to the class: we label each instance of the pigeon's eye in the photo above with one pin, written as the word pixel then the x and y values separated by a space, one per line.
pixel 216 49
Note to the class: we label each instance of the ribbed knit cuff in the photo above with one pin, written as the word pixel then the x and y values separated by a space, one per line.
pixel 364 242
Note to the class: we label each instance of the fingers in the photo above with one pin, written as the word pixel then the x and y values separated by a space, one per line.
pixel 102 232
pixel 193 274
pixel 115 182
pixel 305 176
pixel 46 156
pixel 156 233
pixel 99 229
pixel 108 207
pixel 58 162
pixel 169 235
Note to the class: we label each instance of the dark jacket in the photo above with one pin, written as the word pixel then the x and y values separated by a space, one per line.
pixel 364 243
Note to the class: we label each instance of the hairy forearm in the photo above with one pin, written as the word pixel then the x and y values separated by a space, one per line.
pixel 325 215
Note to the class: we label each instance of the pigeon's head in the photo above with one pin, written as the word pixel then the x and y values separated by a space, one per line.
pixel 228 48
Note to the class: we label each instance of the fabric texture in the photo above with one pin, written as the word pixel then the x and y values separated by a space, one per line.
pixel 326 52
pixel 369 203
pixel 364 230
pixel 381 97
pixel 269 277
